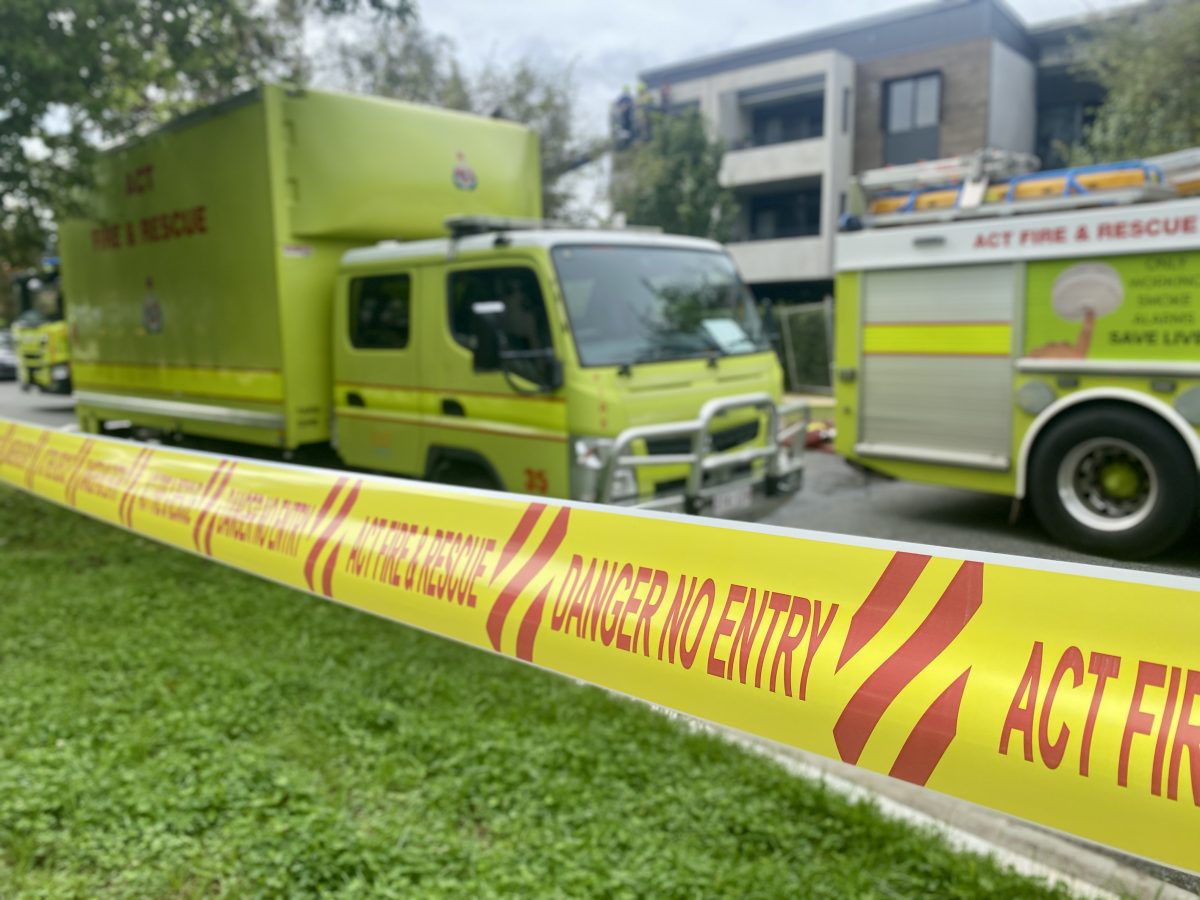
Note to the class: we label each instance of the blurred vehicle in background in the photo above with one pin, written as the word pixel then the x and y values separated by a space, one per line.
pixel 40 330
pixel 8 356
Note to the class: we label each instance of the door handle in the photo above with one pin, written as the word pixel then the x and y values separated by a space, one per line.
pixel 354 398
pixel 452 408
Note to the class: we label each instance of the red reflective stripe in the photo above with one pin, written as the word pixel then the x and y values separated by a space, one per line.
pixel 311 562
pixel 958 603
pixel 212 520
pixel 330 531
pixel 519 536
pixel 529 625
pixel 535 563
pixel 206 504
pixel 893 586
pixel 932 734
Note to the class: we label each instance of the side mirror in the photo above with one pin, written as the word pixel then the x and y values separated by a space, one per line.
pixel 487 328
pixel 554 373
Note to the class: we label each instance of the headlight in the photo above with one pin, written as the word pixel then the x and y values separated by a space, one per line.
pixel 60 373
pixel 588 456
pixel 591 453
pixel 624 484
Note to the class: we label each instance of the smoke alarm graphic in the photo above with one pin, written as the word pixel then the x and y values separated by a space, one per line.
pixel 1087 289
pixel 464 175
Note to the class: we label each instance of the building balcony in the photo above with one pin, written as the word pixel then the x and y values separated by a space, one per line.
pixel 784 259
pixel 774 162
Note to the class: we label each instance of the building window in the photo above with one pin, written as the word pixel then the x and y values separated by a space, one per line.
pixel 379 310
pixel 798 119
pixel 912 112
pixel 784 214
pixel 1060 127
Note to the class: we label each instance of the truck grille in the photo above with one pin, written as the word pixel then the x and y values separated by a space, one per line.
pixel 723 440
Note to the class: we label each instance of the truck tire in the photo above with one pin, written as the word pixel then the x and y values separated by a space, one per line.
pixel 1115 481
pixel 463 474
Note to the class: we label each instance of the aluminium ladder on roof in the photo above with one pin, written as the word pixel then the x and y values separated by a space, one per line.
pixel 1181 169
pixel 992 183
pixel 987 163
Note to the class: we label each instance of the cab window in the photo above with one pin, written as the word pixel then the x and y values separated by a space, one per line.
pixel 525 324
pixel 379 312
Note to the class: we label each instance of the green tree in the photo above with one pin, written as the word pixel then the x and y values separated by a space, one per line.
pixel 1148 61
pixel 79 74
pixel 542 97
pixel 670 180
pixel 404 63
pixel 407 62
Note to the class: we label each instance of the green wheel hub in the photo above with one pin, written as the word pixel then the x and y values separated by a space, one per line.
pixel 1121 480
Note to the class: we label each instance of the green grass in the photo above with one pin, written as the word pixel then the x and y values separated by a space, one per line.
pixel 169 727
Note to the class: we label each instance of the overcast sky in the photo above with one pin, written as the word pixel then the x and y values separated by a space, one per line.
pixel 609 41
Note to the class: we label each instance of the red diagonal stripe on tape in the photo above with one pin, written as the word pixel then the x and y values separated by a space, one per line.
pixel 31 466
pixel 893 586
pixel 327 574
pixel 212 519
pixel 944 623
pixel 330 499
pixel 5 441
pixel 519 536
pixel 530 623
pixel 205 503
pixel 327 535
pixel 73 479
pixel 932 734
pixel 311 562
pixel 132 477
pixel 542 555
pixel 125 507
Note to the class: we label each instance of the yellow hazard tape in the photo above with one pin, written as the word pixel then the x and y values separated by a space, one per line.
pixel 1067 695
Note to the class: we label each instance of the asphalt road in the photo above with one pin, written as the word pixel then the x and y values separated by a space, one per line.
pixel 49 410
pixel 835 498
pixel 841 499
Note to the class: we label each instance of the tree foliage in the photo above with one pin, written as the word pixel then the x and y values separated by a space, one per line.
pixel 78 74
pixel 1148 61
pixel 670 179
pixel 406 62
pixel 541 97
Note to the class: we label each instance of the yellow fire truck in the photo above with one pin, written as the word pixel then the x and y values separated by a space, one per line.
pixel 40 332
pixel 1032 334
pixel 278 270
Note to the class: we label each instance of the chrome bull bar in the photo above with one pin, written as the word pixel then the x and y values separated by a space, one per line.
pixel 787 426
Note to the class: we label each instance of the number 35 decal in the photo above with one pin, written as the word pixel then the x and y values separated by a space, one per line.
pixel 536 481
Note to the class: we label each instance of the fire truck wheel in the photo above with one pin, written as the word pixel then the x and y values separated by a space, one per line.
pixel 1113 480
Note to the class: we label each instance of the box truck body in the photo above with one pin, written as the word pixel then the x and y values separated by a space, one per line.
pixel 202 283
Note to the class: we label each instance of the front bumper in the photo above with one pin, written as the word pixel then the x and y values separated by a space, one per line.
pixel 771 465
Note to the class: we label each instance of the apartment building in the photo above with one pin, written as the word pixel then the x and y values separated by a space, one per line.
pixel 800 115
